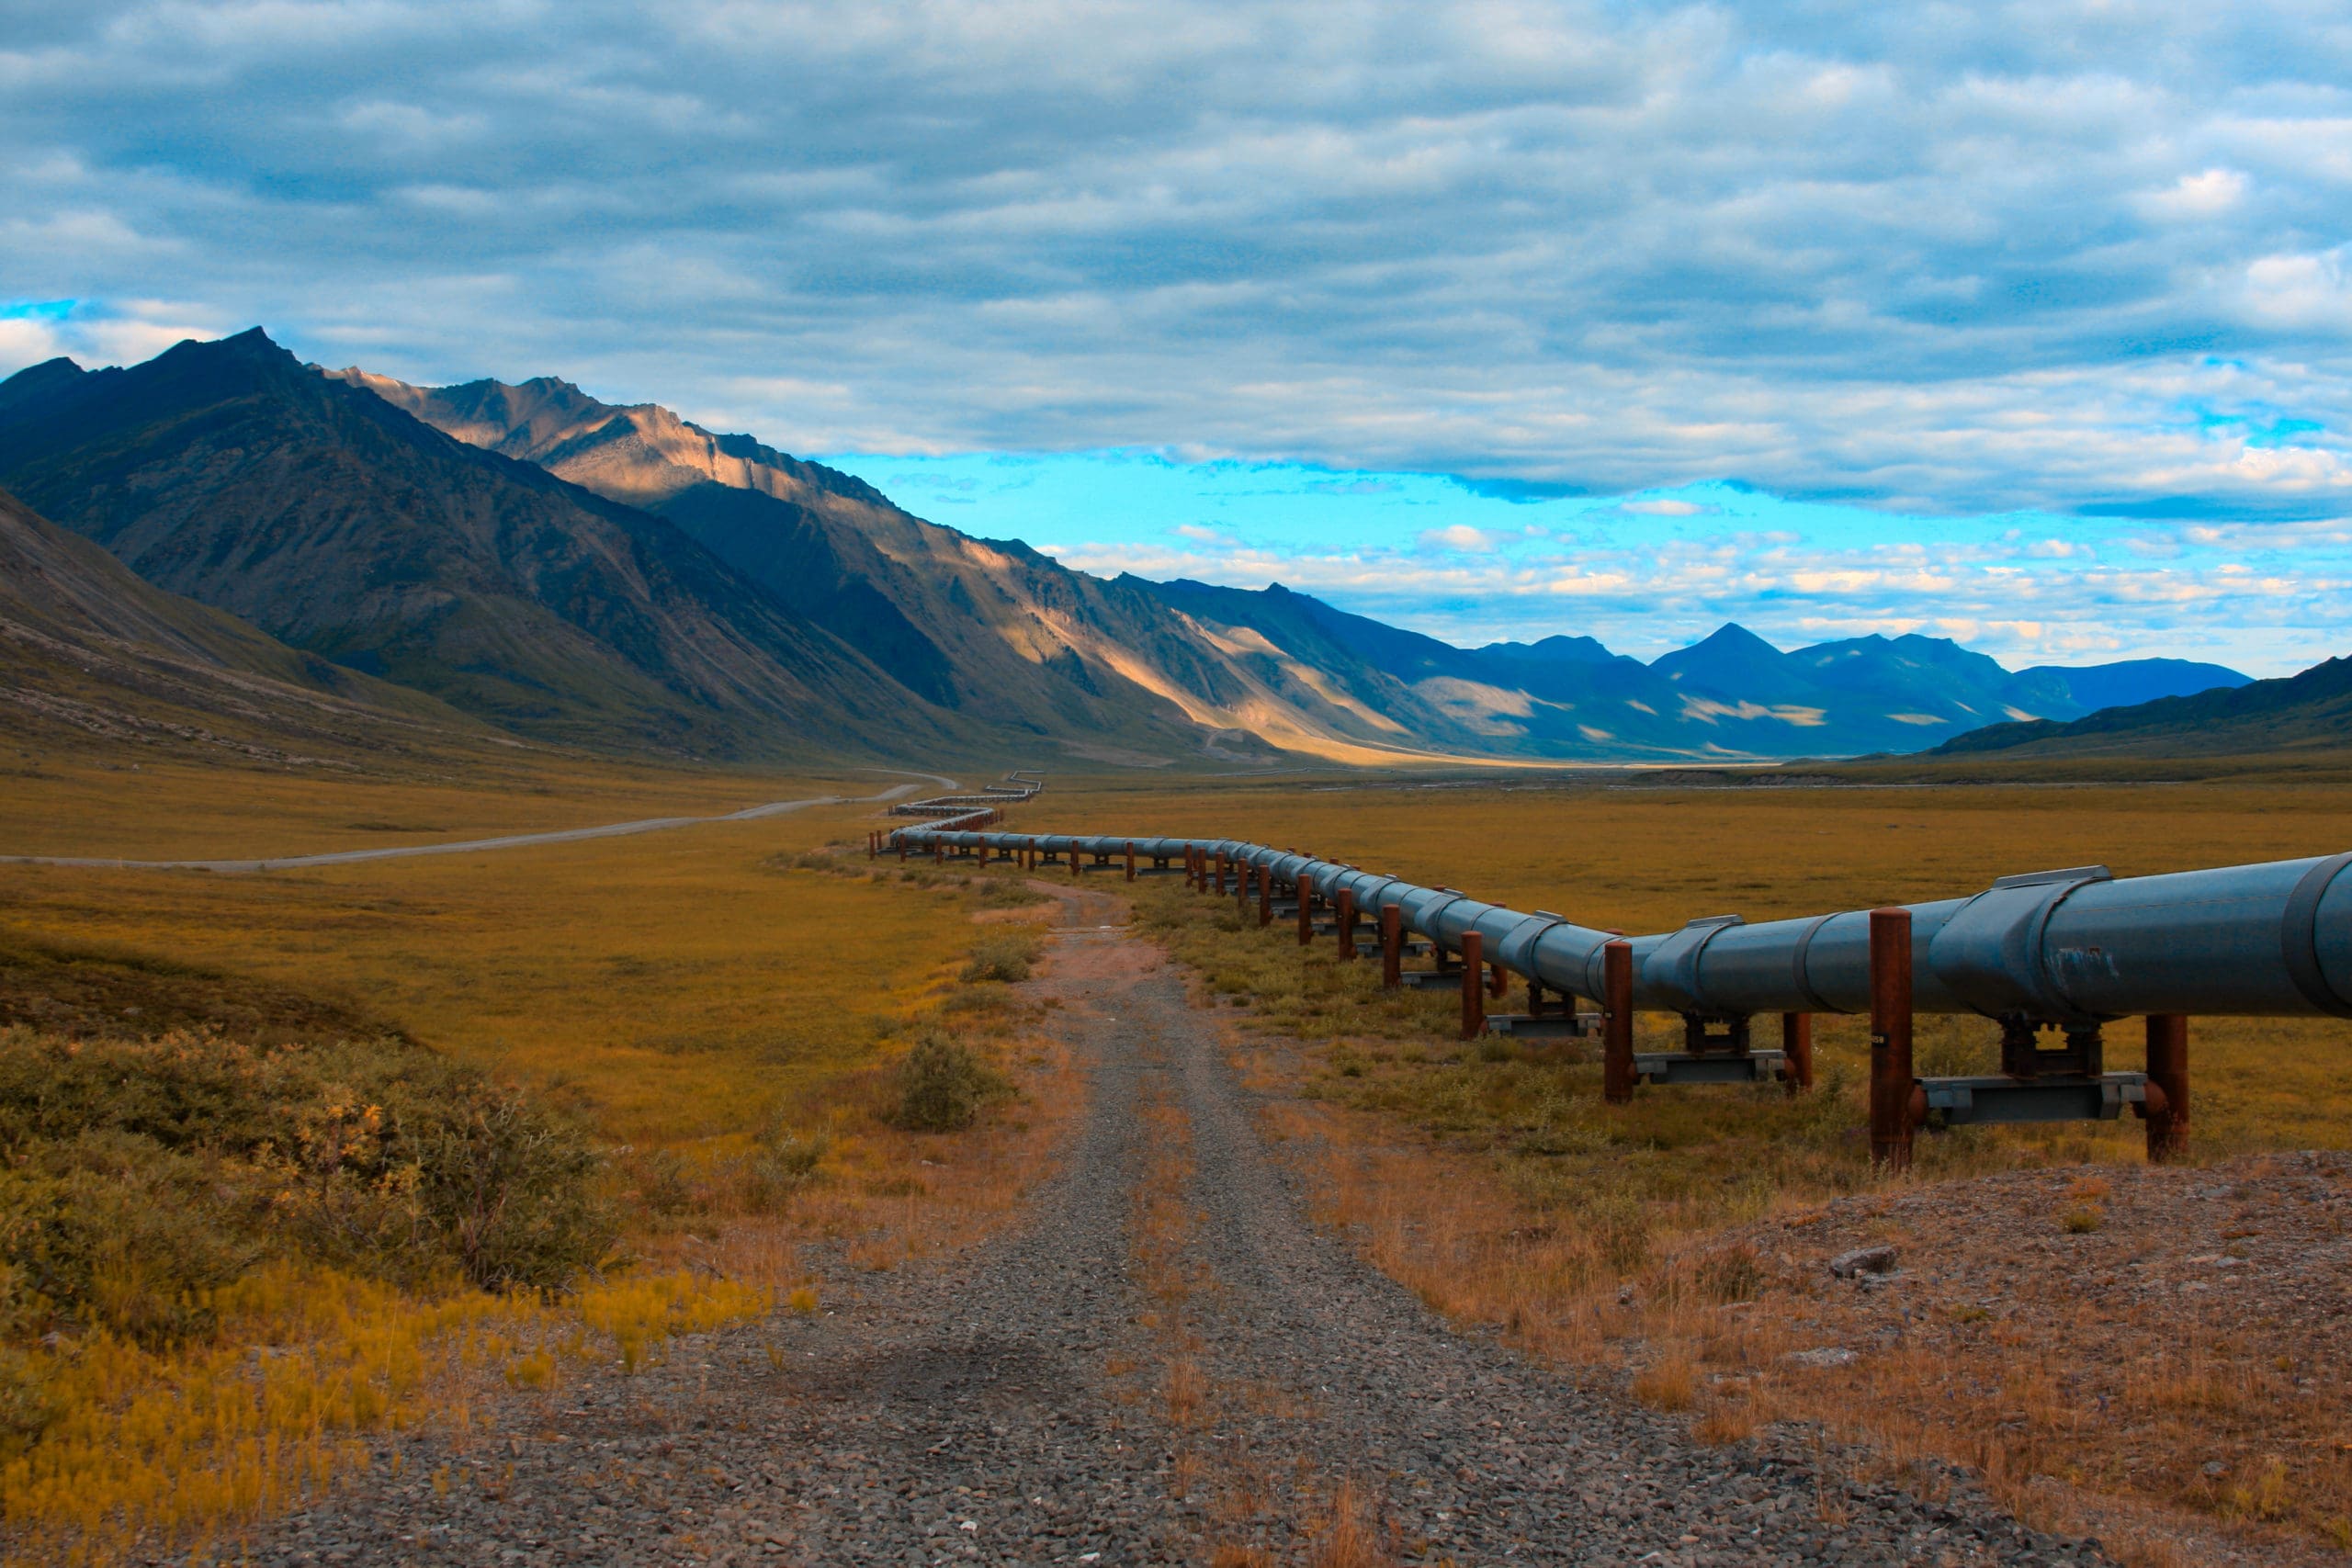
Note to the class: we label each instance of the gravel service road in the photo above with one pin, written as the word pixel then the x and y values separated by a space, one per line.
pixel 1164 1362
pixel 464 846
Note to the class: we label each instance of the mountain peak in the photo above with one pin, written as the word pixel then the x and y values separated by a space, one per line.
pixel 1732 636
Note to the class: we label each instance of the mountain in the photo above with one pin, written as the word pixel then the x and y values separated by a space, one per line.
pixel 2310 711
pixel 91 652
pixel 231 474
pixel 1549 651
pixel 989 628
pixel 618 577
pixel 2135 681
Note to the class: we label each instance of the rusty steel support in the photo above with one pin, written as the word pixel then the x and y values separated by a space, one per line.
pixel 938 852
pixel 1892 1079
pixel 1073 862
pixel 1392 946
pixel 1498 981
pixel 1474 997
pixel 1796 1045
pixel 1131 860
pixel 1305 915
pixel 1617 1022
pixel 1346 926
pixel 1220 874
pixel 1265 896
pixel 2168 1076
pixel 902 852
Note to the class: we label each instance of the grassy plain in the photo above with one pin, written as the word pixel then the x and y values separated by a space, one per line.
pixel 721 1008
pixel 97 803
pixel 1491 1178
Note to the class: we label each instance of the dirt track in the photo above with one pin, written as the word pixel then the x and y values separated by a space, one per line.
pixel 1163 1363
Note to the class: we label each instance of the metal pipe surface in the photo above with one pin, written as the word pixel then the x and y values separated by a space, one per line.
pixel 2076 946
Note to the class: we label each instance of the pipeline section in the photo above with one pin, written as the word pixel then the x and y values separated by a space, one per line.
pixel 2069 948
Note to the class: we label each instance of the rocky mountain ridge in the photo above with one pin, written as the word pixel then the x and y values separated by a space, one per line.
pixel 616 576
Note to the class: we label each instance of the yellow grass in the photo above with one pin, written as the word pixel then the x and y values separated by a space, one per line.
pixel 1493 1182
pixel 62 804
pixel 689 993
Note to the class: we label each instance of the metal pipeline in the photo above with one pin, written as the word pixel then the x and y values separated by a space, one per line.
pixel 2068 947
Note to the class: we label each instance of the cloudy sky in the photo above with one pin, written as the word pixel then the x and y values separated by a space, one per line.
pixel 2026 324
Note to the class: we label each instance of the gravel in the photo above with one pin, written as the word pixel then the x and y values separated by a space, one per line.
pixel 1008 1405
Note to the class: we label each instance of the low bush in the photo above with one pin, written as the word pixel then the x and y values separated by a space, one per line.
pixel 1003 955
pixel 942 1085
pixel 139 1178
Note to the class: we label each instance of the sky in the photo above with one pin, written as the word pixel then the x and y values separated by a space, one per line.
pixel 2026 324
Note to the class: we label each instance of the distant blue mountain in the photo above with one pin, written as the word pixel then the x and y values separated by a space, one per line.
pixel 2135 681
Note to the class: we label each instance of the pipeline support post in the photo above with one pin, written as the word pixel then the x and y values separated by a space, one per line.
pixel 1131 860
pixel 1474 997
pixel 1220 874
pixel 1392 946
pixel 1346 925
pixel 1617 1022
pixel 1796 1045
pixel 1306 913
pixel 2168 1072
pixel 1265 896
pixel 1892 1077
pixel 1498 980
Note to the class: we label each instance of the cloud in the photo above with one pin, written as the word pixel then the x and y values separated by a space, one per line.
pixel 1660 508
pixel 1933 260
pixel 1459 539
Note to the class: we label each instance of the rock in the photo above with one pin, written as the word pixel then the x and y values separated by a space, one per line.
pixel 1826 1356
pixel 1863 1260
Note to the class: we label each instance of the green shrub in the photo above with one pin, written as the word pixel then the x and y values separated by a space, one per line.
pixel 942 1084
pixel 1003 955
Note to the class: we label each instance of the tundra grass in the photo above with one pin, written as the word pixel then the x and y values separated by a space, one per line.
pixel 74 804
pixel 720 1006
pixel 1491 1178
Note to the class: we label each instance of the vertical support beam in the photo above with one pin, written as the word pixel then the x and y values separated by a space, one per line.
pixel 1617 1022
pixel 1306 913
pixel 1796 1043
pixel 1131 860
pixel 1891 1073
pixel 1345 926
pixel 1474 997
pixel 938 852
pixel 1265 896
pixel 1498 981
pixel 2168 1070
pixel 1392 946
pixel 902 848
pixel 1073 862
pixel 1222 865
pixel 1241 888
pixel 1191 865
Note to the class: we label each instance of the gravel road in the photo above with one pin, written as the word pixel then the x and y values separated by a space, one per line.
pixel 1165 1362
pixel 464 846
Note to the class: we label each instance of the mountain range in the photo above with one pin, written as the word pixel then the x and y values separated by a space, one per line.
pixel 617 578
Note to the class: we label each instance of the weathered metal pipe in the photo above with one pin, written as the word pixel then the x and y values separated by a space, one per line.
pixel 2079 946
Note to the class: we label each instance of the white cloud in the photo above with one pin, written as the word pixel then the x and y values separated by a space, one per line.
pixel 2200 197
pixel 1460 539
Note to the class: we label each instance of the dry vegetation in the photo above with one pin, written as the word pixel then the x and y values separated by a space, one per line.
pixel 288 1158
pixel 1680 1241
